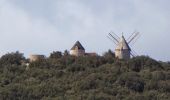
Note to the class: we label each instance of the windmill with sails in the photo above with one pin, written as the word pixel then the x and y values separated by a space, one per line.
pixel 123 50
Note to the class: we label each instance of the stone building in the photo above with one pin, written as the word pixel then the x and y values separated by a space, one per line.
pixel 122 50
pixel 77 49
pixel 36 57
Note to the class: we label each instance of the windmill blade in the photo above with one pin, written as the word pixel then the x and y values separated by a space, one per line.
pixel 131 35
pixel 136 34
pixel 113 37
pixel 112 40
pixel 134 41
pixel 132 54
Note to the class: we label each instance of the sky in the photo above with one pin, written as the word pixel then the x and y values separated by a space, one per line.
pixel 44 26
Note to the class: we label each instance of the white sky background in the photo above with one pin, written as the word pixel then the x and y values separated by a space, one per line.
pixel 43 26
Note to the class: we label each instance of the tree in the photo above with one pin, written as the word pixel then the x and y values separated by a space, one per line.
pixel 83 78
pixel 66 53
pixel 132 81
pixel 135 64
pixel 12 58
pixel 109 56
pixel 144 62
pixel 55 55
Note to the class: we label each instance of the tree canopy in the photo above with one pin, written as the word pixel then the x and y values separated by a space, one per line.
pixel 65 77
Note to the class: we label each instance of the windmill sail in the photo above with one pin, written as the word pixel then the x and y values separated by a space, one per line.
pixel 112 40
pixel 133 37
pixel 113 37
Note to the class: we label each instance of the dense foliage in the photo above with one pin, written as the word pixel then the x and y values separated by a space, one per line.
pixel 64 77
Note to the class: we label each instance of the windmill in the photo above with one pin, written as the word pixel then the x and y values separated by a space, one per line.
pixel 123 50
pixel 77 49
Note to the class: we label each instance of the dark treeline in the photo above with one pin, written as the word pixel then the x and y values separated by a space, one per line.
pixel 64 77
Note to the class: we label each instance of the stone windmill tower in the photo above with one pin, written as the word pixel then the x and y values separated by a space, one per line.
pixel 77 49
pixel 123 50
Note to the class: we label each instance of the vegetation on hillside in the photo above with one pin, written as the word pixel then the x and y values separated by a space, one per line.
pixel 64 77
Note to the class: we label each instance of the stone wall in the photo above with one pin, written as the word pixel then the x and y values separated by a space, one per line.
pixel 122 54
pixel 77 52
pixel 36 57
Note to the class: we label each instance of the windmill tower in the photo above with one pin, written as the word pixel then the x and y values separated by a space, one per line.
pixel 123 50
pixel 77 49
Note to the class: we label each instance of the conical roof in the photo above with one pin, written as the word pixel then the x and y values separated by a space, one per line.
pixel 123 44
pixel 77 45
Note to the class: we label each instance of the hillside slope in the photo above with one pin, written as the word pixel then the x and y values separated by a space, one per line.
pixel 64 77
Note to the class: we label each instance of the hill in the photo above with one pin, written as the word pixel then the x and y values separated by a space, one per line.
pixel 64 77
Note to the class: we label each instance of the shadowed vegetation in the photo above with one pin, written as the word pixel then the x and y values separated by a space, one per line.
pixel 64 77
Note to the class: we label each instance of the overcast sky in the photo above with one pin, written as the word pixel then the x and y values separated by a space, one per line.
pixel 43 26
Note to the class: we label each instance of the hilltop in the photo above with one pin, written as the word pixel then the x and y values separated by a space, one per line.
pixel 66 77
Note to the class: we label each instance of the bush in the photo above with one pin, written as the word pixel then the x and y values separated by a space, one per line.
pixel 132 81
pixel 12 58
pixel 55 55
pixel 144 62
pixel 146 74
pixel 135 65
pixel 164 86
pixel 158 75
pixel 83 78
pixel 109 56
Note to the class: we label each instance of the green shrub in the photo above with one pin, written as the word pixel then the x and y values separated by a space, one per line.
pixel 132 81
pixel 158 75
pixel 12 58
pixel 84 78
pixel 75 68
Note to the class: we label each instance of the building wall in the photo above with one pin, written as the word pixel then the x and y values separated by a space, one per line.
pixel 91 54
pixel 77 52
pixel 122 54
pixel 36 57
